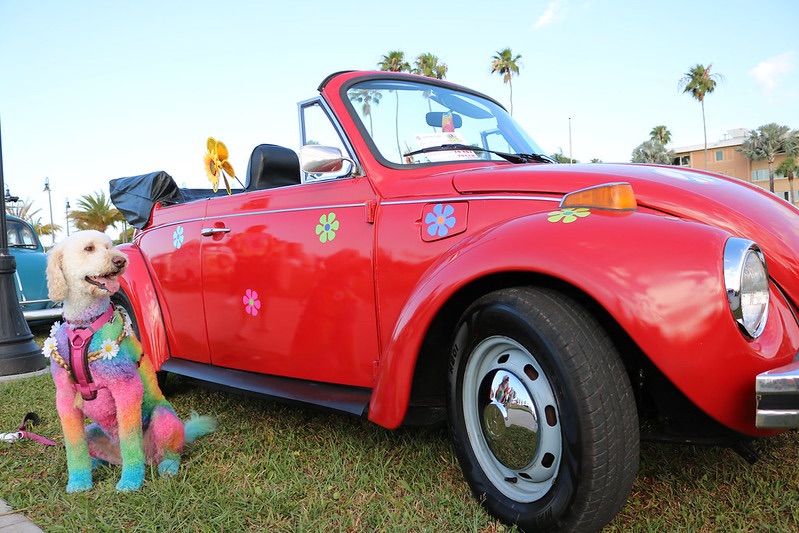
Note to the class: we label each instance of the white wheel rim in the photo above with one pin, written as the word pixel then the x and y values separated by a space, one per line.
pixel 520 457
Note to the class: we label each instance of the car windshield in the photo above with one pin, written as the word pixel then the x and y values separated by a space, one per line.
pixel 20 235
pixel 401 117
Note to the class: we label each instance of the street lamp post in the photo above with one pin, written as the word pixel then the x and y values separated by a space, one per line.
pixel 66 223
pixel 571 159
pixel 50 201
pixel 19 354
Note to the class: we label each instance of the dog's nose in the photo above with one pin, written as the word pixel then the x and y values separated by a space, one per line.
pixel 119 262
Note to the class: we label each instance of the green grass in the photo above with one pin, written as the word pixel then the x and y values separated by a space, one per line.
pixel 277 468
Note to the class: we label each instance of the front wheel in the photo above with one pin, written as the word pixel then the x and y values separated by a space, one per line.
pixel 541 412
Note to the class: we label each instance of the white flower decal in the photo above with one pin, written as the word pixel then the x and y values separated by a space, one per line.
pixel 177 237
pixel 49 347
pixel 109 350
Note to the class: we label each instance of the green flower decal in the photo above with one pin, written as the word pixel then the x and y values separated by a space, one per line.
pixel 327 227
pixel 568 215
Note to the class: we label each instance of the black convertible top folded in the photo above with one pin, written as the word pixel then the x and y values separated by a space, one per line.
pixel 135 196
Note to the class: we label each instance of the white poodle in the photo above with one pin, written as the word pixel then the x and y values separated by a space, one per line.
pixel 100 372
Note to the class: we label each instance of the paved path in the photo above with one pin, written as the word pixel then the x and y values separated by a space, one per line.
pixel 11 522
pixel 14 377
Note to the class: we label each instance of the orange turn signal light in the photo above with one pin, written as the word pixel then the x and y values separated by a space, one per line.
pixel 617 196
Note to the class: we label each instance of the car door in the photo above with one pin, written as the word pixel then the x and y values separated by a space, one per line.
pixel 172 249
pixel 288 282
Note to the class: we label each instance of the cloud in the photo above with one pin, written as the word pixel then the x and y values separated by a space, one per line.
pixel 767 73
pixel 549 15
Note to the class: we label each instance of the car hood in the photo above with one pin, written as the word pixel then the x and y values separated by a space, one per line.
pixel 31 266
pixel 741 208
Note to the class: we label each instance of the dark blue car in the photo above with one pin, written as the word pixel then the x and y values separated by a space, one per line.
pixel 31 281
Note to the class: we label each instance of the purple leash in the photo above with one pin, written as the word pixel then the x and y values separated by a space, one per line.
pixel 23 433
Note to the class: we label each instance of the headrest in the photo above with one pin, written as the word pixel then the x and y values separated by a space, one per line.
pixel 272 166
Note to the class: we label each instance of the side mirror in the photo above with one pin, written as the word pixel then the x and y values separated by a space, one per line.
pixel 318 159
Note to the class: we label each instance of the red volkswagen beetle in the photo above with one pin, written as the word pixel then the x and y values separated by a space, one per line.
pixel 420 260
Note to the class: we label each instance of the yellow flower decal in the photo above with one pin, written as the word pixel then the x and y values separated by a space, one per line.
pixel 216 164
pixel 568 215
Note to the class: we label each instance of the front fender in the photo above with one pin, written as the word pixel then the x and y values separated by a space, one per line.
pixel 660 278
pixel 139 289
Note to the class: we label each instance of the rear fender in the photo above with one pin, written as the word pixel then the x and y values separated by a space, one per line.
pixel 139 289
pixel 659 277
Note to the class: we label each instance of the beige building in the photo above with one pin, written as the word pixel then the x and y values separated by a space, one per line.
pixel 723 157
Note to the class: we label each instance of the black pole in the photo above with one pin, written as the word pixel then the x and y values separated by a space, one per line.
pixel 19 354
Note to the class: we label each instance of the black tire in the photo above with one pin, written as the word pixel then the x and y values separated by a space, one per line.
pixel 597 414
pixel 120 299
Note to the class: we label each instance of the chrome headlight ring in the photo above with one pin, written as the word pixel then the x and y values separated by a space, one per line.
pixel 747 284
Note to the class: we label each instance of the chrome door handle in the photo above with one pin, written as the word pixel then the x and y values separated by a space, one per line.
pixel 207 232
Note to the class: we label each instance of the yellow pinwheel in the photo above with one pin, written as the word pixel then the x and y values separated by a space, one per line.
pixel 216 164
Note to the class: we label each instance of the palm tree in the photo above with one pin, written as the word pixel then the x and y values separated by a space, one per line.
pixel 22 209
pixel 394 61
pixel 427 65
pixel 95 212
pixel 789 168
pixel 506 64
pixel 699 81
pixel 764 143
pixel 44 229
pixel 652 151
pixel 660 134
pixel 367 97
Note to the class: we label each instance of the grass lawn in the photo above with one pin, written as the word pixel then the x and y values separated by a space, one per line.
pixel 277 468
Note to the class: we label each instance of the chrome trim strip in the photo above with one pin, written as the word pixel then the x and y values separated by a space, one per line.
pixel 44 301
pixel 468 198
pixel 781 380
pixel 249 213
pixel 777 383
pixel 41 314
pixel 777 419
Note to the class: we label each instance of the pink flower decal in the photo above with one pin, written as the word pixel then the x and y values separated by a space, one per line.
pixel 251 302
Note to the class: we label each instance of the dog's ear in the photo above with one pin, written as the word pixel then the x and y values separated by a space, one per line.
pixel 56 283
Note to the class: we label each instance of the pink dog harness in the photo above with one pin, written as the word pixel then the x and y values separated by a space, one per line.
pixel 79 338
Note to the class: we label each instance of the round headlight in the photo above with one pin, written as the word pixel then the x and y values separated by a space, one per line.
pixel 746 280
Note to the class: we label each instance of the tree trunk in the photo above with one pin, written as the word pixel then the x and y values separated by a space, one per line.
pixel 371 133
pixel 510 84
pixel 704 129
pixel 770 175
pixel 790 184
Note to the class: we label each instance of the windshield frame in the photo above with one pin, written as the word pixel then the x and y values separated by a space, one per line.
pixel 367 139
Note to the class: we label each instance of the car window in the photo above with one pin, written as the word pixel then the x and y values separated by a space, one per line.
pixel 20 234
pixel 319 129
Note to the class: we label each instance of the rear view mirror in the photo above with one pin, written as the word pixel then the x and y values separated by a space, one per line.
pixel 436 119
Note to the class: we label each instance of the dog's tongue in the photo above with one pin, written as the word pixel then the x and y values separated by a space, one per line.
pixel 111 284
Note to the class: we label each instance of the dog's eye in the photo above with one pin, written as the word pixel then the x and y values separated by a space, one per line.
pixel 88 248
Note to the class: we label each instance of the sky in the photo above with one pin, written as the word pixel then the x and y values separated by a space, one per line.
pixel 91 90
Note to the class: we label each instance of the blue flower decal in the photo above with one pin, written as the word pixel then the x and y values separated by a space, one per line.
pixel 440 220
pixel 177 237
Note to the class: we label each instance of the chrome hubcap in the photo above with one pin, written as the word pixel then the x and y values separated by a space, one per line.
pixel 512 419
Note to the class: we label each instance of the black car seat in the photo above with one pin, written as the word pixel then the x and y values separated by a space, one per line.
pixel 272 166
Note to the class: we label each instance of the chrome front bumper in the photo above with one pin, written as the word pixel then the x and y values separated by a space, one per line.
pixel 777 394
pixel 51 313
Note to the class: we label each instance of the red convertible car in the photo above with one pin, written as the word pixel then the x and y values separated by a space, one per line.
pixel 421 261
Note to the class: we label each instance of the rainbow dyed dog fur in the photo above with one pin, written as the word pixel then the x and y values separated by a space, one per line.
pixel 132 423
